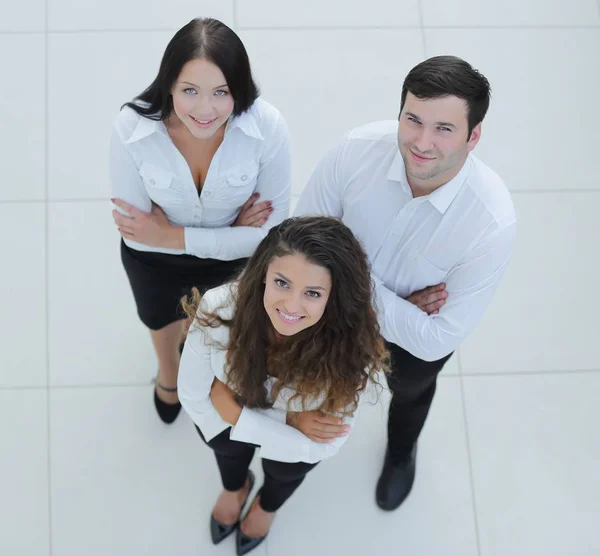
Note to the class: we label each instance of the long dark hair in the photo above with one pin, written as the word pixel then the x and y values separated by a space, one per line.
pixel 330 362
pixel 442 76
pixel 201 38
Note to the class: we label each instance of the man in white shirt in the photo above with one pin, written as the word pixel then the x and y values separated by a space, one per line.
pixel 439 228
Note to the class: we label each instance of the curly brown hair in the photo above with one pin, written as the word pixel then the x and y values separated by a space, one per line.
pixel 330 362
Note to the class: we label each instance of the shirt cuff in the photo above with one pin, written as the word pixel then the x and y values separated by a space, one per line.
pixel 200 242
pixel 247 428
pixel 277 440
pixel 210 424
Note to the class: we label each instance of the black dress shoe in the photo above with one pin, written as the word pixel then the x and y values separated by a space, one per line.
pixel 396 480
pixel 244 543
pixel 167 412
pixel 219 531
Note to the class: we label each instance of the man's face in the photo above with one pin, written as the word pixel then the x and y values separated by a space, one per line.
pixel 433 138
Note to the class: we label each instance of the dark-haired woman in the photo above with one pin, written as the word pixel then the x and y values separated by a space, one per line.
pixel 200 171
pixel 280 360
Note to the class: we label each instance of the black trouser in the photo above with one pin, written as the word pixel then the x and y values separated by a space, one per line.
pixel 412 383
pixel 233 459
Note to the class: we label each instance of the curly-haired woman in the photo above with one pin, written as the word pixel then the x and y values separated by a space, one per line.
pixel 280 360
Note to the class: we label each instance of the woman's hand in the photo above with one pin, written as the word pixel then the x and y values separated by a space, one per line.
pixel 150 228
pixel 254 214
pixel 317 426
pixel 223 400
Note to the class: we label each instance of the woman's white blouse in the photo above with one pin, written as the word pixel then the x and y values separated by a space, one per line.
pixel 255 156
pixel 202 361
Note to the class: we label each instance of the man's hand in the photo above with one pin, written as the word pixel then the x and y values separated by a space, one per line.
pixel 317 426
pixel 254 214
pixel 150 228
pixel 223 400
pixel 430 299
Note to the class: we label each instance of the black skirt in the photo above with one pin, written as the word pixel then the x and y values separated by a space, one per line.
pixel 159 280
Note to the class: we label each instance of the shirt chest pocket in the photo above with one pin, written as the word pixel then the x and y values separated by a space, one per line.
pixel 433 273
pixel 442 255
pixel 159 183
pixel 234 188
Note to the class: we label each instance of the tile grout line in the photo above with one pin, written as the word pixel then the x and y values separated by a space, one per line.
pixel 105 199
pixel 327 28
pixel 406 27
pixel 461 374
pixel 50 201
pixel 78 386
pixel 532 373
pixel 22 388
pixel 47 267
pixel 468 443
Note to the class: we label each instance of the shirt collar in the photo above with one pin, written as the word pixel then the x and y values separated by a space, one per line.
pixel 443 196
pixel 397 171
pixel 245 122
pixel 144 128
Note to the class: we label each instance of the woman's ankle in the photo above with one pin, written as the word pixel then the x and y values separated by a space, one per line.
pixel 167 397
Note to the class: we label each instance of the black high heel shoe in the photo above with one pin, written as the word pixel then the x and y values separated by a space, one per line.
pixel 219 531
pixel 244 543
pixel 167 412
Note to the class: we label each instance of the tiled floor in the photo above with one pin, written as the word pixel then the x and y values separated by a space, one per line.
pixel 508 462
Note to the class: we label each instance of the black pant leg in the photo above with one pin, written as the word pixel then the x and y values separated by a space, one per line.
pixel 412 383
pixel 281 480
pixel 233 459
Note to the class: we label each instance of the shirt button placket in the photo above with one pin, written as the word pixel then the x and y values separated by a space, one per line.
pixel 391 242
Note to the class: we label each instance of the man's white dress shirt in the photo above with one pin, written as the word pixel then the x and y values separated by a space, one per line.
pixel 462 234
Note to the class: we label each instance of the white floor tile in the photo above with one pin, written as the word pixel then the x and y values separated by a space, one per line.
pixel 27 15
pixel 541 317
pixel 24 473
pixel 451 367
pixel 328 82
pixel 95 335
pixel 22 82
pixel 112 68
pixel 535 452
pixel 334 510
pixel 333 13
pixel 526 137
pixel 134 14
pixel 124 483
pixel 511 13
pixel 23 295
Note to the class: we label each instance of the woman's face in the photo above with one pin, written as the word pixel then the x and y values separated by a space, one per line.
pixel 296 293
pixel 201 98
